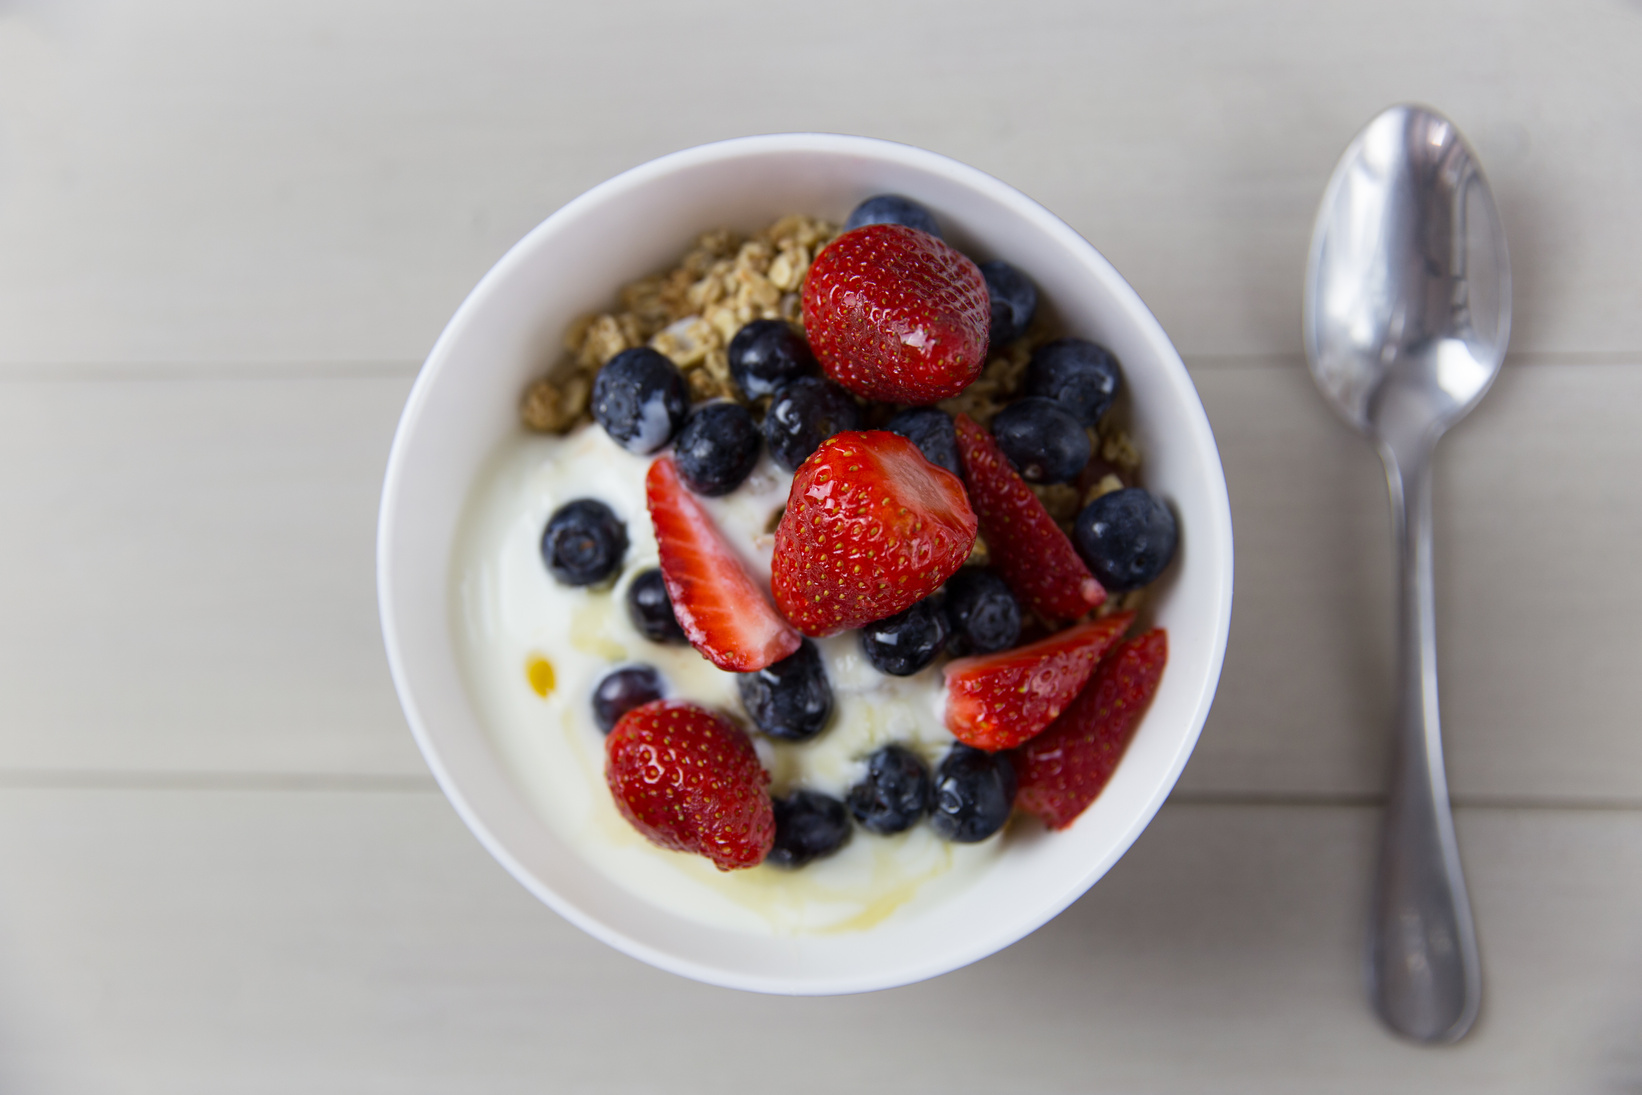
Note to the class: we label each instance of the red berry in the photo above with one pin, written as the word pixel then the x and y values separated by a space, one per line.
pixel 871 528
pixel 689 780
pixel 895 314
pixel 1034 556
pixel 997 701
pixel 1063 769
pixel 720 608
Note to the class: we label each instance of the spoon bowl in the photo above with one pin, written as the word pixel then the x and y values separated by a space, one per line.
pixel 1407 316
pixel 1407 303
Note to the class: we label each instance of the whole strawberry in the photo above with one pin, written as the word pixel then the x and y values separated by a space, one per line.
pixel 689 780
pixel 1064 769
pixel 1034 556
pixel 871 528
pixel 997 701
pixel 893 313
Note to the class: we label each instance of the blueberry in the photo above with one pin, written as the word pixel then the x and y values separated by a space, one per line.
pixel 651 610
pixel 640 400
pixel 907 641
pixel 717 449
pixel 974 792
pixel 893 209
pixel 894 794
pixel 1078 374
pixel 931 429
pixel 985 616
pixel 766 354
pixel 583 543
pixel 805 413
pixel 808 825
pixel 1014 300
pixel 622 690
pixel 790 700
pixel 1127 537
pixel 1044 441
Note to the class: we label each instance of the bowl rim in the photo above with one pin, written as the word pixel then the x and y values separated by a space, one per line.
pixel 1218 538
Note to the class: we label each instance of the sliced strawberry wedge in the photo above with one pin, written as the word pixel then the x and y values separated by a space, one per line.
pixel 1064 769
pixel 871 528
pixel 1034 556
pixel 721 609
pixel 997 701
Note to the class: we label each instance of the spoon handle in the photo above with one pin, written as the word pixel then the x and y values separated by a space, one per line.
pixel 1423 972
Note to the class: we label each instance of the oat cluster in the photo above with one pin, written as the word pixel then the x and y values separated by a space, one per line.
pixel 1000 379
pixel 689 313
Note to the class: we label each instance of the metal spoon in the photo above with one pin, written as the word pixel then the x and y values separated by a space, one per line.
pixel 1407 313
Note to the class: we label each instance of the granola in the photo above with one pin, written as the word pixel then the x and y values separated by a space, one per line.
pixel 689 313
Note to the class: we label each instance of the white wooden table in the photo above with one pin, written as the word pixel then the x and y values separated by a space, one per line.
pixel 230 232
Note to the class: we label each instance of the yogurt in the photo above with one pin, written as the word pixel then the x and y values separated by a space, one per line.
pixel 532 651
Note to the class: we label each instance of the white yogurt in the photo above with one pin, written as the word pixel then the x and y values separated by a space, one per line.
pixel 509 611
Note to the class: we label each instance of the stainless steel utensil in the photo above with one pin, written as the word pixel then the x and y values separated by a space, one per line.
pixel 1407 314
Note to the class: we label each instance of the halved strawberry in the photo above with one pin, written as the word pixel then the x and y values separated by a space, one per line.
pixel 871 528
pixel 895 314
pixel 689 780
pixel 1034 556
pixel 721 609
pixel 997 701
pixel 1064 769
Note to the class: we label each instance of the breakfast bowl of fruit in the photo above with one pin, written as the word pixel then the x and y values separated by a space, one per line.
pixel 805 564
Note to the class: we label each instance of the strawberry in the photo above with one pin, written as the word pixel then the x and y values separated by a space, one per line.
pixel 689 780
pixel 997 701
pixel 1034 556
pixel 871 528
pixel 895 314
pixel 1063 769
pixel 721 609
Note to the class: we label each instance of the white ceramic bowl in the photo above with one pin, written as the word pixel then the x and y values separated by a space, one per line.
pixel 465 403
